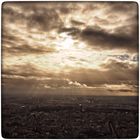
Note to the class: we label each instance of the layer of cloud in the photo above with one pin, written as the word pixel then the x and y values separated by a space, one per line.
pixel 112 73
pixel 60 45
pixel 107 30
pixel 99 39
pixel 31 15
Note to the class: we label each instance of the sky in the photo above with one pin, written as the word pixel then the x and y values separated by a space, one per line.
pixel 70 48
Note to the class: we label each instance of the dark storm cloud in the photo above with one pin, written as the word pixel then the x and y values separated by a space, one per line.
pixel 104 40
pixel 32 16
pixel 45 20
pixel 100 39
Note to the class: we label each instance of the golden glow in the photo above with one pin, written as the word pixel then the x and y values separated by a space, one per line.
pixel 67 43
pixel 55 40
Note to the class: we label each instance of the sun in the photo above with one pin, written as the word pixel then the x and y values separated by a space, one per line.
pixel 66 41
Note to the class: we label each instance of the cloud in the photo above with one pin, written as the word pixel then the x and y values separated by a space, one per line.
pixel 107 32
pixel 100 39
pixel 76 22
pixel 32 32
pixel 32 85
pixel 112 72
pixel 118 76
pixel 121 90
pixel 26 49
pixel 25 70
pixel 44 19
pixel 11 85
pixel 31 15
pixel 70 30
pixel 122 7
pixel 30 72
pixel 17 44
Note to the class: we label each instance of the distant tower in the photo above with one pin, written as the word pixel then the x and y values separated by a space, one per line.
pixel 81 108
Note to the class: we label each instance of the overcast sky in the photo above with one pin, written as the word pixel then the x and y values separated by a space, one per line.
pixel 64 47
